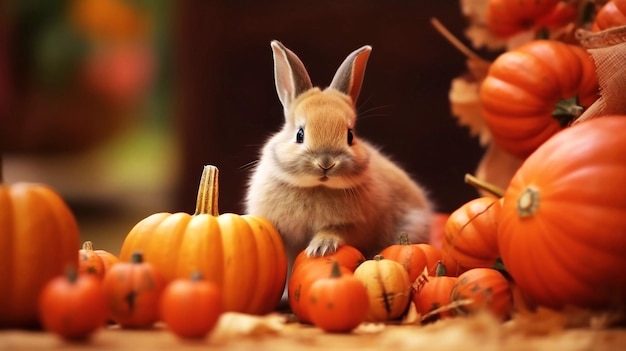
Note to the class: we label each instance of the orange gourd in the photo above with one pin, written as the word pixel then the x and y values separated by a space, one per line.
pixel 611 14
pixel 433 296
pixel 471 236
pixel 388 287
pixel 242 254
pixel 339 302
pixel 190 308
pixel 533 91
pixel 409 255
pixel 302 278
pixel 506 18
pixel 561 232
pixel 132 290
pixel 39 237
pixel 346 255
pixel 73 306
pixel 95 262
pixel 485 289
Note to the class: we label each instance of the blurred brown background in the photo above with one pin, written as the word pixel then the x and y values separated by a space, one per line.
pixel 118 104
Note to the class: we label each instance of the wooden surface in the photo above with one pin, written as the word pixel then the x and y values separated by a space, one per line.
pixel 271 333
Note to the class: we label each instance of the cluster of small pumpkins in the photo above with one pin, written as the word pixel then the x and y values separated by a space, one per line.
pixel 341 290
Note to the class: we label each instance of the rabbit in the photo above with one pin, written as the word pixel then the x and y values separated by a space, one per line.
pixel 319 184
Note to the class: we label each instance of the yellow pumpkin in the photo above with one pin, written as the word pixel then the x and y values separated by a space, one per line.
pixel 244 254
pixel 388 286
pixel 39 237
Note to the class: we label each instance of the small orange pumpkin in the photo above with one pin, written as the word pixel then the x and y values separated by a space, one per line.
pixel 388 287
pixel 191 307
pixel 133 290
pixel 434 294
pixel 409 255
pixel 506 18
pixel 486 289
pixel 244 254
pixel 471 233
pixel 39 237
pixel 95 262
pixel 73 306
pixel 346 255
pixel 611 14
pixel 339 302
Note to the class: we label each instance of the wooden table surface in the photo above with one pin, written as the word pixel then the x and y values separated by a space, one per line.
pixel 241 332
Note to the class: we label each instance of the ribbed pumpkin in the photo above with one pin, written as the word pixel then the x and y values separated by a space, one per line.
pixel 244 254
pixel 39 237
pixel 471 236
pixel 562 229
pixel 533 91
pixel 506 18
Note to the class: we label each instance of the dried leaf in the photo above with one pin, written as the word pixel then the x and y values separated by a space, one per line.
pixel 465 105
pixel 233 325
pixel 476 13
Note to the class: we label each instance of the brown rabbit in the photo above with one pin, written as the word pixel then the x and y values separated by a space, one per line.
pixel 321 185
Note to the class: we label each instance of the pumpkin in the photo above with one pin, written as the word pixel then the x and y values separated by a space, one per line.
pixel 561 232
pixel 533 91
pixel 346 255
pixel 432 297
pixel 409 255
pixel 505 18
pixel 299 285
pixel 73 306
pixel 339 302
pixel 190 308
pixel 39 237
pixel 433 256
pixel 242 254
pixel 388 287
pixel 611 14
pixel 132 291
pixel 95 262
pixel 485 289
pixel 471 233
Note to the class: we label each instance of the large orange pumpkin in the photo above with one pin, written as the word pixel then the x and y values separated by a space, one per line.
pixel 535 90
pixel 39 237
pixel 242 254
pixel 562 229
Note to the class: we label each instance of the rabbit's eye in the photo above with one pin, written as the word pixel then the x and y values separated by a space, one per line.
pixel 300 136
pixel 350 137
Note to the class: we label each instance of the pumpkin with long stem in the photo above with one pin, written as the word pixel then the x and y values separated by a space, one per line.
pixel 39 237
pixel 244 254
pixel 562 227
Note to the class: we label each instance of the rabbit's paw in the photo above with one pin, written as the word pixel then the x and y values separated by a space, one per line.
pixel 323 243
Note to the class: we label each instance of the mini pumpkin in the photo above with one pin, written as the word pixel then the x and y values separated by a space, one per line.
pixel 561 228
pixel 471 236
pixel 432 298
pixel 409 255
pixel 339 302
pixel 533 91
pixel 95 262
pixel 39 237
pixel 73 306
pixel 242 254
pixel 346 255
pixel 191 308
pixel 611 14
pixel 506 18
pixel 388 287
pixel 485 289
pixel 132 291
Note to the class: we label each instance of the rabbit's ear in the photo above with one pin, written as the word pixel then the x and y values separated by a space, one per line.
pixel 349 76
pixel 290 75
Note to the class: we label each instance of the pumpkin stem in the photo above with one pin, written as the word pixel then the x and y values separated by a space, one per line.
pixel 71 273
pixel 483 185
pixel 137 257
pixel 335 272
pixel 196 276
pixel 440 271
pixel 404 239
pixel 208 192
pixel 528 202
pixel 378 257
pixel 566 110
pixel 88 246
